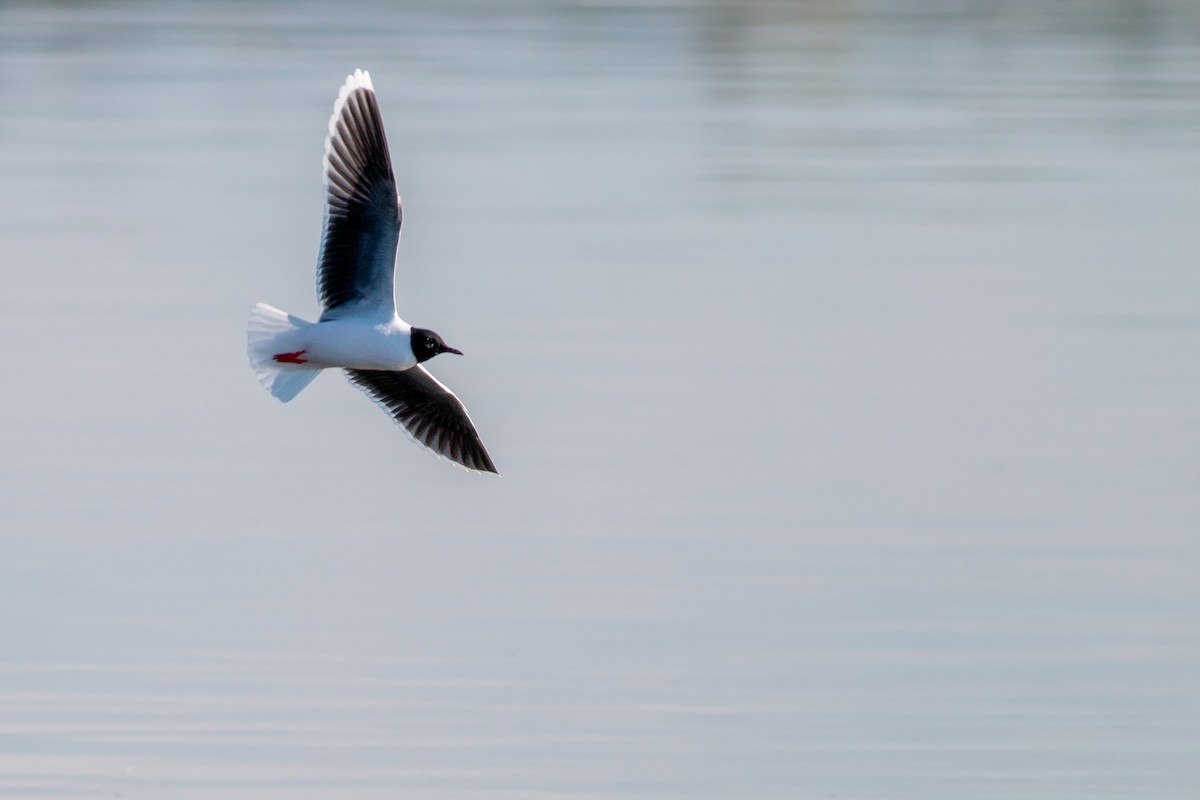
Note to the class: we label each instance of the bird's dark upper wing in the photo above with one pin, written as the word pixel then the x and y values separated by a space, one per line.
pixel 429 411
pixel 357 264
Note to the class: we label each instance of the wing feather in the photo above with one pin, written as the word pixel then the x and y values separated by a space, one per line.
pixel 428 411
pixel 357 264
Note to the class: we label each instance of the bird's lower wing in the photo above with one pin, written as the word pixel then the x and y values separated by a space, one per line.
pixel 428 411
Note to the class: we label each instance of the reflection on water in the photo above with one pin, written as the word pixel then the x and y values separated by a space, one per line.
pixel 837 356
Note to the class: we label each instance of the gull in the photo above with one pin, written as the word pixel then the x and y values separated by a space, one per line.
pixel 359 330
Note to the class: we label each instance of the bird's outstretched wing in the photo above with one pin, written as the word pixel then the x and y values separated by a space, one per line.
pixel 356 268
pixel 429 411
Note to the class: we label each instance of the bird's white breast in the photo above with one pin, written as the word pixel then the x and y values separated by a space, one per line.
pixel 356 343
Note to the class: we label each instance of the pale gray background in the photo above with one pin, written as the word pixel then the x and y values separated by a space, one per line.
pixel 840 359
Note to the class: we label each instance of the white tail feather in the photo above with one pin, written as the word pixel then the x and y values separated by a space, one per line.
pixel 269 332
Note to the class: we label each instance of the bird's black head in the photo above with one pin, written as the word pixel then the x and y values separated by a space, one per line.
pixel 426 344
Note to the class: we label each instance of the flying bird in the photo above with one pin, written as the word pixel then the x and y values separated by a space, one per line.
pixel 359 330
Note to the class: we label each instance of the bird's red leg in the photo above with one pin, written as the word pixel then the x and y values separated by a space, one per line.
pixel 291 358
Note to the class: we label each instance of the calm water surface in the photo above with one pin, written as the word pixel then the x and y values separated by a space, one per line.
pixel 840 359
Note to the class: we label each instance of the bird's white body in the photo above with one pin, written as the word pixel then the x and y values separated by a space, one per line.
pixel 352 341
pixel 356 342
